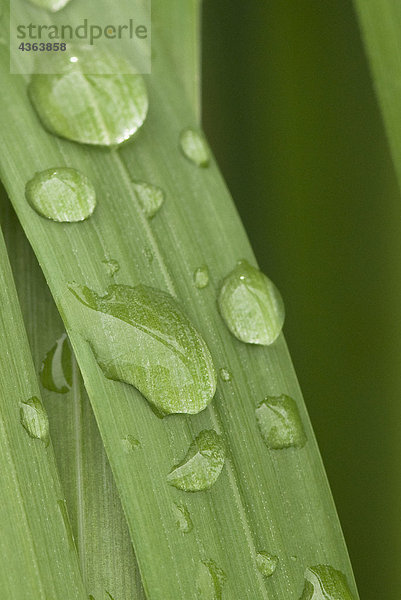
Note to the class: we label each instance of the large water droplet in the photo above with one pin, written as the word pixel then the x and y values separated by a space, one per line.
pixel 210 581
pixel 141 336
pixel 183 518
pixel 64 195
pixel 131 444
pixel 34 419
pixel 201 277
pixel 251 305
pixel 150 197
pixel 56 370
pixel 83 104
pixel 266 563
pixel 194 147
pixel 322 582
pixel 280 423
pixel 225 374
pixel 202 464
pixel 112 266
pixel 51 5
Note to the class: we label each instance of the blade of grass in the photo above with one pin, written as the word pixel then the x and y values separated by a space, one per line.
pixel 263 501
pixel 39 555
pixel 104 547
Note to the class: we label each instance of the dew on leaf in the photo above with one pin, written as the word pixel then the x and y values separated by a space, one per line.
pixel 194 147
pixel 150 197
pixel 183 518
pixel 322 582
pixel 266 563
pixel 201 277
pixel 225 374
pixel 131 444
pixel 112 266
pixel 79 102
pixel 141 336
pixel 280 423
pixel 61 194
pixel 251 305
pixel 210 581
pixel 202 465
pixel 34 419
pixel 56 369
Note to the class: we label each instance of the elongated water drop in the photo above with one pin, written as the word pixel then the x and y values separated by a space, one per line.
pixel 140 336
pixel 131 444
pixel 202 464
pixel 201 277
pixel 194 147
pixel 322 582
pixel 62 505
pixel 225 374
pixel 183 518
pixel 83 104
pixel 251 305
pixel 34 419
pixel 112 266
pixel 210 581
pixel 56 370
pixel 150 197
pixel 266 563
pixel 280 423
pixel 50 5
pixel 61 194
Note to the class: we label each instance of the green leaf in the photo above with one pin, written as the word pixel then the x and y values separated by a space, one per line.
pixel 275 500
pixel 40 558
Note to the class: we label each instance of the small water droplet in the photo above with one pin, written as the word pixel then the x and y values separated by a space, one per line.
pixel 225 374
pixel 280 423
pixel 183 518
pixel 79 102
pixel 140 336
pixel 131 444
pixel 294 558
pixel 201 277
pixel 62 504
pixel 112 266
pixel 62 194
pixel 109 595
pixel 34 419
pixel 210 581
pixel 194 147
pixel 251 305
pixel 322 582
pixel 266 563
pixel 91 597
pixel 50 5
pixel 150 197
pixel 56 369
pixel 148 254
pixel 202 464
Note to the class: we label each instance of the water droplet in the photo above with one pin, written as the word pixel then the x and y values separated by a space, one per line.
pixel 194 147
pixel 62 504
pixel 280 423
pixel 64 195
pixel 51 5
pixel 148 254
pixel 34 419
pixel 251 305
pixel 56 369
pixel 141 336
pixel 202 464
pixel 201 277
pixel 210 581
pixel 91 597
pixel 79 102
pixel 183 518
pixel 294 558
pixel 266 563
pixel 131 444
pixel 150 197
pixel 322 582
pixel 109 595
pixel 112 266
pixel 225 374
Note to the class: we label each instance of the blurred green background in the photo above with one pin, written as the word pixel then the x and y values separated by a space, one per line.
pixel 290 111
